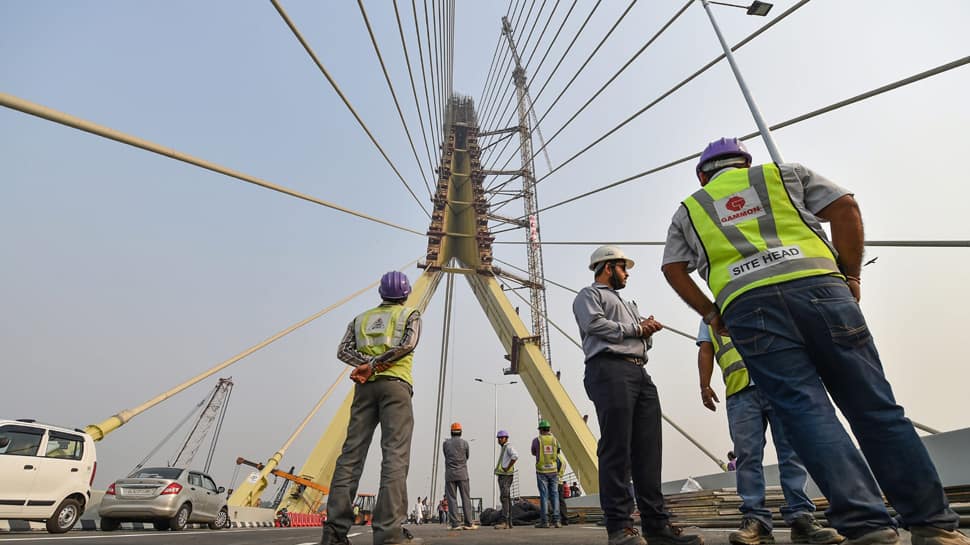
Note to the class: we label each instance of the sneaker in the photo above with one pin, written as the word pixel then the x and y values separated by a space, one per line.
pixel 455 528
pixel 752 532
pixel 668 535
pixel 557 524
pixel 885 536
pixel 470 527
pixel 502 526
pixel 330 537
pixel 805 529
pixel 542 525
pixel 626 536
pixel 931 535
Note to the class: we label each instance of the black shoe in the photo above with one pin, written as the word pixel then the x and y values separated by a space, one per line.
pixel 751 532
pixel 668 535
pixel 542 525
pixel 330 537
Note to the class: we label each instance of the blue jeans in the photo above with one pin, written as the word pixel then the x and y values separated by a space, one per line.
pixel 806 339
pixel 749 415
pixel 548 492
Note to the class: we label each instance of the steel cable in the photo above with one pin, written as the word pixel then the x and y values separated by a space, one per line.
pixel 390 86
pixel 414 90
pixel 336 88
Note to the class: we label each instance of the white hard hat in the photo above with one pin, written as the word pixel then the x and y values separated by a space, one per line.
pixel 608 253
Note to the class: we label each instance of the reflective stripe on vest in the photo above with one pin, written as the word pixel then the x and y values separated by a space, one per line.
pixel 753 235
pixel 380 329
pixel 498 467
pixel 548 453
pixel 733 370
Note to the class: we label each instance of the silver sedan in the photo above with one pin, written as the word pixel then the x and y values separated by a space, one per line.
pixel 168 497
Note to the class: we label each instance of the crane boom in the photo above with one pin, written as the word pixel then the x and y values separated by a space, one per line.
pixel 284 475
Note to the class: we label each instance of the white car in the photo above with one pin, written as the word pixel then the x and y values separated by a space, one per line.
pixel 45 473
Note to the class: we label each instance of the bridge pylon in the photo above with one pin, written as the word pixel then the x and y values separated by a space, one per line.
pixel 459 242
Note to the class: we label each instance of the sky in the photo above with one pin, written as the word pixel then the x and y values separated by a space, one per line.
pixel 125 273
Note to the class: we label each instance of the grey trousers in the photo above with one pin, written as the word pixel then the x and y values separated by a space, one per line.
pixel 505 494
pixel 451 489
pixel 388 403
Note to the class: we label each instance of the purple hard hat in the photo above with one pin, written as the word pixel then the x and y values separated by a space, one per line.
pixel 502 433
pixel 394 285
pixel 722 148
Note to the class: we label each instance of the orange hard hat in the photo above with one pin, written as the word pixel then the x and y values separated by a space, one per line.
pixel 455 426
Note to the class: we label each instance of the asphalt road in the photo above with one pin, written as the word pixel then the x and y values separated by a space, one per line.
pixel 433 534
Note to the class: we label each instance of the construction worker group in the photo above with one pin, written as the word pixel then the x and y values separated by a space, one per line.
pixel 783 324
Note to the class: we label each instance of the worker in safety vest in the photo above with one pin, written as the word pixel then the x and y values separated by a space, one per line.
pixel 505 472
pixel 456 453
pixel 546 450
pixel 380 345
pixel 789 298
pixel 749 415
pixel 616 339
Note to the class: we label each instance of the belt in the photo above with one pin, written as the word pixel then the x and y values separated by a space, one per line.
pixel 639 362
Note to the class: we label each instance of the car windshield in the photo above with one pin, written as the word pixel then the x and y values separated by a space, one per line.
pixel 156 473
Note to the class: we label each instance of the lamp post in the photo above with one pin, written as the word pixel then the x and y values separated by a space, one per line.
pixel 760 9
pixel 495 386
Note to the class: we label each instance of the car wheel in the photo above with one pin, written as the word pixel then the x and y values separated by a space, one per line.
pixel 65 516
pixel 220 522
pixel 109 524
pixel 181 518
pixel 160 524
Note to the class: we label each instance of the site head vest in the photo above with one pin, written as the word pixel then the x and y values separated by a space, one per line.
pixel 753 235
pixel 499 470
pixel 380 329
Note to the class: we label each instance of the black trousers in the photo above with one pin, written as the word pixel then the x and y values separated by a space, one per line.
pixel 628 410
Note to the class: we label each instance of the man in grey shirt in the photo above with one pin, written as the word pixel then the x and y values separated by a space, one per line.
pixel 615 340
pixel 456 479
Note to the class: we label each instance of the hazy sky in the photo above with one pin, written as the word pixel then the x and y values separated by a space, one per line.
pixel 125 273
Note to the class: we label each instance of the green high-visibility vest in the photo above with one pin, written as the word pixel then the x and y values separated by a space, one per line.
pixel 548 454
pixel 733 370
pixel 753 235
pixel 380 329
pixel 499 470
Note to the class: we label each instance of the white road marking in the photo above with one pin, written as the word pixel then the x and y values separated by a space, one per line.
pixel 100 535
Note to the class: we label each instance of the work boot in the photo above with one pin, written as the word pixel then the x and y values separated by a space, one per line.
pixel 330 537
pixel 668 535
pixel 752 532
pixel 805 529
pixel 931 535
pixel 884 536
pixel 626 536
pixel 542 524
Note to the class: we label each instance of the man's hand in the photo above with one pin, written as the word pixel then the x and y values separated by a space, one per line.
pixel 361 373
pixel 650 326
pixel 855 288
pixel 709 398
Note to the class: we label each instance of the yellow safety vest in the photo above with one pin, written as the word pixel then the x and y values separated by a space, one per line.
pixel 548 453
pixel 753 234
pixel 733 370
pixel 380 329
pixel 499 470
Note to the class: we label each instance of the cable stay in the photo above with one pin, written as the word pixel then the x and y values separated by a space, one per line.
pixel 414 89
pixel 871 243
pixel 432 115
pixel 390 87
pixel 43 112
pixel 797 119
pixel 613 78
pixel 346 101
pixel 675 88
pixel 100 430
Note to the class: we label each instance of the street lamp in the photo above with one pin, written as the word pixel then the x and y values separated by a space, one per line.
pixel 756 8
pixel 495 386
